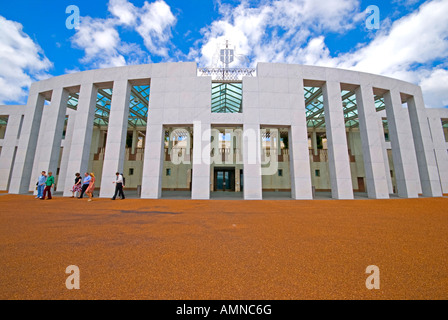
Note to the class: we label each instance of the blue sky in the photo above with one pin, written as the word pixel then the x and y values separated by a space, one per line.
pixel 411 43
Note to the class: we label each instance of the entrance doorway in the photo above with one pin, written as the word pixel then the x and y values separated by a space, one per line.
pixel 361 185
pixel 224 179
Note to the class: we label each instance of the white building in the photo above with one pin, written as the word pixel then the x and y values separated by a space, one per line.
pixel 278 128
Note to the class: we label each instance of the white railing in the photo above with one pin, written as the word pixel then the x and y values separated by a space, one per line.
pixel 227 74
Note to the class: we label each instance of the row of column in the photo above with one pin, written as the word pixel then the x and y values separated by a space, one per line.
pixel 415 163
pixel 9 149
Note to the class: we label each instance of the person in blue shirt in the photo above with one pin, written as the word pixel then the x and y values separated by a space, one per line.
pixel 41 184
pixel 85 184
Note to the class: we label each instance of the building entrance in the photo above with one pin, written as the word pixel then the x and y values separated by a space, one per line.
pixel 224 179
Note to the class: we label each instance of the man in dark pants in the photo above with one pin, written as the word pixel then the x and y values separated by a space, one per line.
pixel 49 183
pixel 118 186
pixel 85 184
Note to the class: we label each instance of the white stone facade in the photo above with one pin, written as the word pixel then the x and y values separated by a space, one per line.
pixel 355 160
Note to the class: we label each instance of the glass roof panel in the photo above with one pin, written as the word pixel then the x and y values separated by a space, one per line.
pixel 103 99
pixel 227 97
pixel 138 106
pixel 315 115
pixel 445 123
pixel 3 120
pixel 314 106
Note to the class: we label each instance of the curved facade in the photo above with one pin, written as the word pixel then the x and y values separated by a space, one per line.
pixel 283 128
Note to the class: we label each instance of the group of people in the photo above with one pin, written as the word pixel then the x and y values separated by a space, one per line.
pixel 44 185
pixel 87 185
pixel 82 186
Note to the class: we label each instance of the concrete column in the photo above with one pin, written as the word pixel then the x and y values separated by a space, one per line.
pixel 82 134
pixel 237 180
pixel 252 162
pixel 372 146
pixel 212 179
pixel 279 144
pixel 66 152
pixel 98 139
pixel 301 186
pixel 338 159
pixel 231 156
pixel 299 157
pixel 50 135
pixel 424 148
pixel 153 161
pixel 440 150
pixel 201 161
pixel 238 146
pixel 390 186
pixel 314 142
pixel 21 175
pixel 134 140
pixel 349 142
pixel 116 137
pixel 97 143
pixel 403 151
pixel 8 148
pixel 170 142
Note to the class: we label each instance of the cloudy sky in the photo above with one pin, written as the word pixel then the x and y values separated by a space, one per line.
pixel 410 44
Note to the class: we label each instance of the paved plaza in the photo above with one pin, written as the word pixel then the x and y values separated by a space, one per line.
pixel 223 249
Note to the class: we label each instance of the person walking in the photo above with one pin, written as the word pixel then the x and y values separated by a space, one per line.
pixel 119 184
pixel 41 184
pixel 85 184
pixel 91 186
pixel 77 187
pixel 49 183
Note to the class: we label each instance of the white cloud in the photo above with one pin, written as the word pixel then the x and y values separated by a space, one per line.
pixel 336 15
pixel 435 88
pixel 406 3
pixel 100 41
pixel 410 48
pixel 125 11
pixel 276 30
pixel 409 51
pixel 156 20
pixel 418 38
pixel 100 38
pixel 22 61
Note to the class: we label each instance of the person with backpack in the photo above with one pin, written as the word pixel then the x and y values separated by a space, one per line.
pixel 119 184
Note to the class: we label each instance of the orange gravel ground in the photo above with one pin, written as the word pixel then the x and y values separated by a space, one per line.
pixel 223 249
